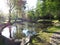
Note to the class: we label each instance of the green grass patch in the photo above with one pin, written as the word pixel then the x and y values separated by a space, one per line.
pixel 44 36
pixel 54 29
pixel 55 21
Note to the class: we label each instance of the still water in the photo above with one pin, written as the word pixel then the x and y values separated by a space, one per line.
pixel 6 33
pixel 27 30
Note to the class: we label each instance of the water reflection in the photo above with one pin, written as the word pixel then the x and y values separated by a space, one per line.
pixel 27 29
pixel 28 32
pixel 6 33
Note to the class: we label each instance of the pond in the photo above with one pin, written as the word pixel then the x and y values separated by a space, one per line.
pixel 6 33
pixel 27 29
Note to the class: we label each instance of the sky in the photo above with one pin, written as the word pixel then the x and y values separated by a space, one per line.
pixel 31 4
pixel 4 8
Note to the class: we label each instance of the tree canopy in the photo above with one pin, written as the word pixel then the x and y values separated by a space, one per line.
pixel 48 6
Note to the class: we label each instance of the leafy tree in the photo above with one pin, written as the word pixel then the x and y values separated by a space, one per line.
pixel 48 6
pixel 2 17
pixel 17 11
pixel 31 15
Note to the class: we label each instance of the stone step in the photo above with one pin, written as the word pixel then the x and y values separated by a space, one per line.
pixel 56 38
pixel 58 35
pixel 53 43
pixel 58 32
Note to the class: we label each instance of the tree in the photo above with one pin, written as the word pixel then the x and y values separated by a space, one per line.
pixel 16 11
pixel 2 18
pixel 48 6
pixel 33 15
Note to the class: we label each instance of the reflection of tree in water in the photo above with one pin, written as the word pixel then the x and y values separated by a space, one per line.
pixel 32 32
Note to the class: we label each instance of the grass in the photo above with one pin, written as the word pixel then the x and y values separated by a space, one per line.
pixel 46 36
pixel 54 29
pixel 55 21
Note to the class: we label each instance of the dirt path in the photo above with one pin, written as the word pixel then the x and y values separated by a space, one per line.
pixel 55 38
